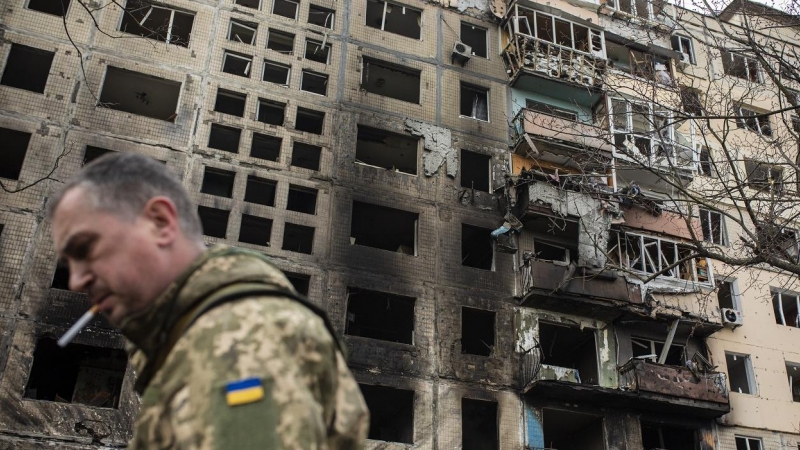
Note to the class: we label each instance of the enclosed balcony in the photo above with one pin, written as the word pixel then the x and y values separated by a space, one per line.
pixel 556 127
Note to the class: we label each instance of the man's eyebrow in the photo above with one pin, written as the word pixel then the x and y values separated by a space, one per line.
pixel 76 242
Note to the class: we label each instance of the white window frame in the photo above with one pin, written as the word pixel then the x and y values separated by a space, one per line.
pixel 485 36
pixel 794 379
pixel 747 440
pixel 672 274
pixel 743 110
pixel 533 32
pixel 331 16
pixel 666 136
pixel 396 5
pixel 475 88
pixel 736 296
pixel 723 232
pixel 242 24
pixel 634 12
pixel 732 55
pixel 172 12
pixel 312 73
pixel 749 371
pixel 685 46
pixel 247 68
pixel 272 63
pixel 283 34
pixel 782 317
pixel 235 2
pixel 319 44
pixel 296 8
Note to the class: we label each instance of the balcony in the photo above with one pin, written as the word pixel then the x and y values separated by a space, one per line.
pixel 669 153
pixel 558 130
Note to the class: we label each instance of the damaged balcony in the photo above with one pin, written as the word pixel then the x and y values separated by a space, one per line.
pixel 557 128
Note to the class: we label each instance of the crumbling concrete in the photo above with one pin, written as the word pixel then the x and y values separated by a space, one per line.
pixel 438 142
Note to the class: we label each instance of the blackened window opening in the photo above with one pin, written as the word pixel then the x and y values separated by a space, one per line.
pixel 280 41
pixel 479 425
pixel 265 147
pixel 380 315
pixel 224 138
pixel 27 68
pixel 260 191
pixel 255 230
pixel 475 37
pixel 229 102
pixel 309 120
pixel 214 221
pixel 725 294
pixel 15 147
pixel 93 153
pixel 61 278
pixel 657 436
pixel 391 413
pixel 218 182
pixel 298 238
pixel 54 7
pixel 271 112
pixel 477 331
pixel 140 94
pixel 391 151
pixel 300 282
pixel 566 430
pixel 391 80
pixel 475 170
pixel 302 199
pixel 316 52
pixel 476 247
pixel 306 156
pixel 147 19
pixel 571 348
pixel 384 228
pixel 318 15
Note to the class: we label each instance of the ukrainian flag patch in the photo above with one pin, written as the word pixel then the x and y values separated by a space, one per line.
pixel 242 392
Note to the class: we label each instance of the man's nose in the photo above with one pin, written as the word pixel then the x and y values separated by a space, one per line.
pixel 80 277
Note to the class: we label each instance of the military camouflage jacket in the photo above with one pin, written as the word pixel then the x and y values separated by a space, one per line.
pixel 309 399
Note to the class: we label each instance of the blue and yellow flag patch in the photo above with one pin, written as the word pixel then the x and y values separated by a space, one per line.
pixel 242 392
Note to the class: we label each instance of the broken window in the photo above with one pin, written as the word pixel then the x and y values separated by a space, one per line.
pixel 394 18
pixel 27 68
pixel 387 150
pixel 728 295
pixel 779 240
pixel 315 51
pixel 706 164
pixel 476 247
pixel 639 62
pixel 306 155
pixel 642 8
pixel 318 15
pixel 690 101
pixel 741 66
pixel 752 120
pixel 271 112
pixel 644 348
pixel 302 199
pixel 640 128
pixel 655 256
pixel 786 306
pixel 236 63
pixel 141 94
pixel 276 73
pixel 713 224
pixel 764 176
pixel 286 8
pixel 280 41
pixel 309 120
pixel 265 147
pixel 15 147
pixel 385 228
pixel 571 348
pixel 298 238
pixel 260 191
pixel 793 372
pixel 477 331
pixel 214 221
pixel 391 413
pixel 740 373
pixel 566 430
pixel 550 110
pixel 314 82
pixel 683 45
pixel 390 80
pixel 229 102
pixel 475 37
pixel 475 170
pixel 559 31
pixel 218 182
pixel 61 278
pixel 255 4
pixel 224 138
pixel 748 443
pixel 656 436
pixel 380 315
pixel 93 153
pixel 79 373
pixel 56 8
pixel 241 31
pixel 255 230
pixel 156 21
pixel 300 282
pixel 479 425
pixel 474 102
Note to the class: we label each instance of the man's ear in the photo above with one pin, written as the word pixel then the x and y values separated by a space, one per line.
pixel 162 214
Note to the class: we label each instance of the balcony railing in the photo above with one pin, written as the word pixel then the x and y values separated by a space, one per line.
pixel 554 61
pixel 642 376
pixel 546 126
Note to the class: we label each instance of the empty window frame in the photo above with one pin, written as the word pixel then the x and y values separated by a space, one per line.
pixel 302 199
pixel 214 221
pixel 728 295
pixel 314 82
pixel 159 22
pixel 691 101
pixel 323 17
pixel 786 306
pixel 271 112
pixel 571 348
pixel 391 151
pixel 265 147
pixel 255 4
pixel 241 31
pixel 391 413
pixel 659 436
pixel 763 176
pixel 793 373
pixel 706 164
pixel 298 238
pixel 93 153
pixel 639 62
pixel 476 247
pixel 474 102
pixel 280 41
pixel 255 230
pixel 299 281
pixel 561 32
pixel 306 156
pixel 384 228
pixel 550 110
pixel 315 51
pixel 224 138
pixel 260 191
pixel 477 331
pixel 748 443
pixel 27 68
pixel 555 239
pixel 79 373
pixel 640 127
pixel 683 45
pixel 236 63
pixel 56 8
pixel 141 94
pixel 713 225
pixel 752 120
pixel 642 8
pixel 475 170
pixel 571 430
pixel 309 120
pixel 780 240
pixel 479 430
pixel 380 315
pixel 476 37
pixel 276 73
pixel 390 80
pixel 741 66
pixel 646 348
pixel 652 255
pixel 60 278
pixel 286 8
pixel 740 373
pixel 218 182
pixel 15 147
pixel 230 102
pixel 394 18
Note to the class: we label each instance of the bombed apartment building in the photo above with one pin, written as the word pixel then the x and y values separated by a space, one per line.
pixel 470 189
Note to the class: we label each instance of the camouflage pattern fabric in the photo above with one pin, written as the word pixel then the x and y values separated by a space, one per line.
pixel 311 400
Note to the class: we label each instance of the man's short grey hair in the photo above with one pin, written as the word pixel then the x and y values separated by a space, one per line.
pixel 123 183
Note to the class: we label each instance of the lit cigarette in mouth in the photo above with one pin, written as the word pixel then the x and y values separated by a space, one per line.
pixel 75 329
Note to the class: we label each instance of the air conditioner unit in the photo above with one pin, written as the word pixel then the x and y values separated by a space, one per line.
pixel 461 53
pixel 732 318
pixel 684 60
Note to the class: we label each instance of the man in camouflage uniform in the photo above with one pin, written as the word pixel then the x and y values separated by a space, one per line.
pixel 227 355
